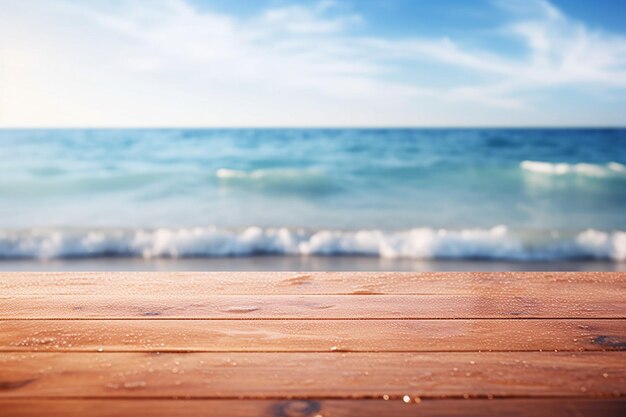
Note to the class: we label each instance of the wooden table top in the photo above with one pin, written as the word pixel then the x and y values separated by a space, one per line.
pixel 312 344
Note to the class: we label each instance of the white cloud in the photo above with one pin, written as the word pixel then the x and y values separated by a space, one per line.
pixel 122 63
pixel 298 19
pixel 561 52
pixel 566 52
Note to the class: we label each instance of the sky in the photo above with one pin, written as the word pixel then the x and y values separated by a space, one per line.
pixel 313 63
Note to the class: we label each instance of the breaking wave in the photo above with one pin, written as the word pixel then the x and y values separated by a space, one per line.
pixel 290 180
pixel 589 170
pixel 497 243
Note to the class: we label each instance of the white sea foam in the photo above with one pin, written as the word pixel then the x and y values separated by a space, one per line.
pixel 275 174
pixel 289 180
pixel 420 243
pixel 590 170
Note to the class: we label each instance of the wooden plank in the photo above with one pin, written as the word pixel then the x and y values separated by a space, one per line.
pixel 312 375
pixel 310 283
pixel 332 408
pixel 312 335
pixel 200 306
pixel 260 339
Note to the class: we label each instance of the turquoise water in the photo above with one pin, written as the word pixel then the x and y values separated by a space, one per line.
pixel 398 193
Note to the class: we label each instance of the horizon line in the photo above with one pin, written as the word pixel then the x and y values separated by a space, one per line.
pixel 305 127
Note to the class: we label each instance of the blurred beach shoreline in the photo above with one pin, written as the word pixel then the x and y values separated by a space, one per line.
pixel 302 263
pixel 313 199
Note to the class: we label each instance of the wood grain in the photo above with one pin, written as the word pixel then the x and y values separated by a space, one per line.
pixel 587 407
pixel 296 307
pixel 332 375
pixel 311 283
pixel 312 335
pixel 312 344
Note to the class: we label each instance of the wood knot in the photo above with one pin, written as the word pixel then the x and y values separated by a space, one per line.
pixel 7 385
pixel 297 408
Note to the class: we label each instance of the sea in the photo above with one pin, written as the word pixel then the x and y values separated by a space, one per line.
pixel 313 199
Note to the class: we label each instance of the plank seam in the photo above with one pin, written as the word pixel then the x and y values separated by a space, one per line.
pixel 334 351
pixel 295 397
pixel 174 318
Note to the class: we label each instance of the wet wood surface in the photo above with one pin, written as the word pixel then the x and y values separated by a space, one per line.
pixel 328 375
pixel 312 344
pixel 311 335
pixel 538 284
pixel 297 307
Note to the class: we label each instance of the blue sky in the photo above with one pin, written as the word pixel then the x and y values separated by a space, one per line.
pixel 406 17
pixel 119 63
